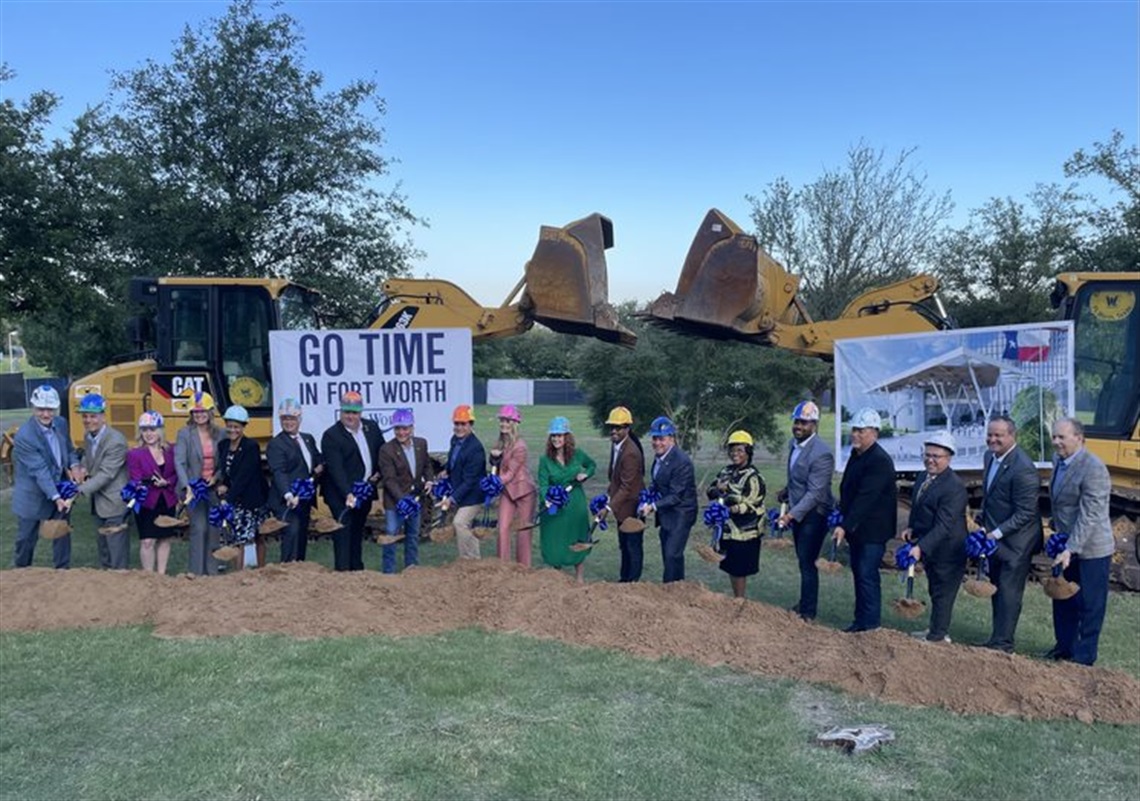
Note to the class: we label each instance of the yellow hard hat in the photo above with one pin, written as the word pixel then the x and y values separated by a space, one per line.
pixel 199 401
pixel 740 438
pixel 619 416
pixel 463 414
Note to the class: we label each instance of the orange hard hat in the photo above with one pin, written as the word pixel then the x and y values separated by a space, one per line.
pixel 463 414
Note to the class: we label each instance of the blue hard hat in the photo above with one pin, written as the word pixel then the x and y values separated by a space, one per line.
pixel 662 427
pixel 559 425
pixel 92 403
pixel 236 414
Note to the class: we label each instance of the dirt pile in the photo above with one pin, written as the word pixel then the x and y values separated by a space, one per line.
pixel 650 620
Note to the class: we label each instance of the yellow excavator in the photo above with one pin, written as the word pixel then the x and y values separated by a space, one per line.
pixel 212 334
pixel 730 288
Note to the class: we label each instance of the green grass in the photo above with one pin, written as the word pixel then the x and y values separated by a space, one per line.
pixel 120 714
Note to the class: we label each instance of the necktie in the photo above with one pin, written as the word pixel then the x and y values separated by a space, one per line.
pixel 304 451
pixel 656 466
pixel 994 465
pixel 925 484
pixel 53 444
pixel 792 459
pixel 1059 474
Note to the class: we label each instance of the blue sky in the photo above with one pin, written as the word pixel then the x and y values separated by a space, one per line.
pixel 508 116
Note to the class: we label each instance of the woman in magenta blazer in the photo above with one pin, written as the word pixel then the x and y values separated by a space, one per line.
pixel 152 465
pixel 516 504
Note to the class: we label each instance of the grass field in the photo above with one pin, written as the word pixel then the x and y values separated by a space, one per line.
pixel 121 714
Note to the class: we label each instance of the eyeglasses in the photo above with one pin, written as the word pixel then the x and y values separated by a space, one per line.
pixel 934 457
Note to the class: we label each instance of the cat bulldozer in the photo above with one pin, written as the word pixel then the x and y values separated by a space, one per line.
pixel 731 289
pixel 212 334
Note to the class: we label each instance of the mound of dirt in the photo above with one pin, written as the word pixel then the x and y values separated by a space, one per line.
pixel 650 620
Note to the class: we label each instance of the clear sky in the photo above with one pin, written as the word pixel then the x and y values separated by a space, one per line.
pixel 510 115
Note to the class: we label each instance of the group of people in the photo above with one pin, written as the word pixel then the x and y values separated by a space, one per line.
pixel 212 467
pixel 937 527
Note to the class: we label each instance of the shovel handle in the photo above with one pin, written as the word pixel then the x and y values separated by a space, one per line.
pixel 910 582
pixel 1057 571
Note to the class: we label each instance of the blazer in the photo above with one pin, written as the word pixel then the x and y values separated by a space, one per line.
pixel 465 469
pixel 286 464
pixel 1010 504
pixel 141 469
pixel 627 479
pixel 868 497
pixel 938 517
pixel 809 480
pixel 343 465
pixel 188 455
pixel 1080 506
pixel 106 468
pixel 515 473
pixel 36 470
pixel 240 471
pixel 396 474
pixel 678 487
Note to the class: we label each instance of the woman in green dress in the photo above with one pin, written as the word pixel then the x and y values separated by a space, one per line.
pixel 565 466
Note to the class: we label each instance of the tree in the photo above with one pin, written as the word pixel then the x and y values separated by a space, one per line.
pixel 701 384
pixel 1110 245
pixel 58 275
pixel 1001 266
pixel 539 353
pixel 234 160
pixel 867 224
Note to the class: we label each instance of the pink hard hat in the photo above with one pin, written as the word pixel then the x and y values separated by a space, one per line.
pixel 509 412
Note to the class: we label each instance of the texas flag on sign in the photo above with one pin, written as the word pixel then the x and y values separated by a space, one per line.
pixel 1026 346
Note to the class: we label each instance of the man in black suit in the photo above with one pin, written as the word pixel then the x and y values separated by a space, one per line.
pixel 1009 515
pixel 937 527
pixel 292 455
pixel 676 508
pixel 351 448
pixel 868 502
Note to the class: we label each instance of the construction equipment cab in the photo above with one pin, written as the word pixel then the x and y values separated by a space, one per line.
pixel 209 334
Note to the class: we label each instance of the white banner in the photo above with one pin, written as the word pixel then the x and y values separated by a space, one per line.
pixel 426 370
pixel 956 380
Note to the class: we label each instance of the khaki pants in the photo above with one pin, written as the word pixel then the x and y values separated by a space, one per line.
pixel 464 538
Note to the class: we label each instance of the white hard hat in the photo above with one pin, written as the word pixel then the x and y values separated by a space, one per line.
pixel 45 397
pixel 943 439
pixel 867 418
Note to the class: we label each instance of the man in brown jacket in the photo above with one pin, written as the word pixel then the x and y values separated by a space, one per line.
pixel 404 469
pixel 626 472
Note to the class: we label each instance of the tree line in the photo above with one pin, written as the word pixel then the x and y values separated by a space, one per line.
pixel 233 158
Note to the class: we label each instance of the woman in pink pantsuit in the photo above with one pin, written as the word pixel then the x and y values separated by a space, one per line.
pixel 516 504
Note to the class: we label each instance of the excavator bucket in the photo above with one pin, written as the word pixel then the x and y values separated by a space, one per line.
pixel 729 287
pixel 566 284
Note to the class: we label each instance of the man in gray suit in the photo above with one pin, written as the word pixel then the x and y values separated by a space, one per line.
pixel 105 465
pixel 1080 491
pixel 42 457
pixel 810 467
pixel 1009 515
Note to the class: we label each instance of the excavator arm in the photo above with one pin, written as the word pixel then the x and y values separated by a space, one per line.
pixel 730 288
pixel 564 287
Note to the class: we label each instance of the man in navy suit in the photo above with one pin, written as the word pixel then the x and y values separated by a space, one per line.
pixel 1009 515
pixel 1080 491
pixel 466 467
pixel 351 448
pixel 810 466
pixel 937 529
pixel 867 499
pixel 291 455
pixel 43 456
pixel 676 507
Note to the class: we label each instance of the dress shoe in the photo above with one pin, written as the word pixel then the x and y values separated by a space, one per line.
pixel 853 629
pixel 795 608
pixel 993 646
pixel 1056 654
